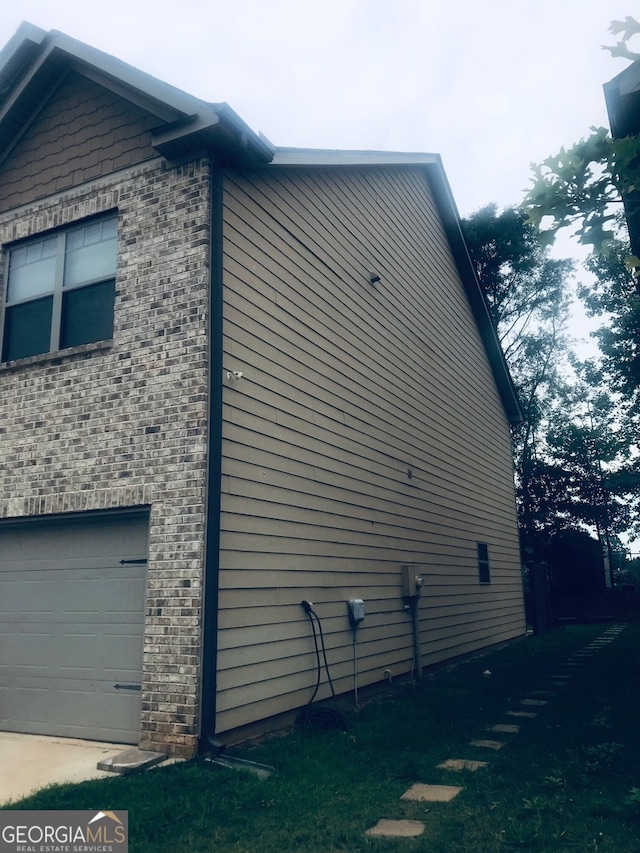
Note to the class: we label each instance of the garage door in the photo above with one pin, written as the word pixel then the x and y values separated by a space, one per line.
pixel 72 603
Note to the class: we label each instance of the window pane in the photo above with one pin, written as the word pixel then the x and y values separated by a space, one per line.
pixel 91 253
pixel 87 314
pixel 32 270
pixel 27 329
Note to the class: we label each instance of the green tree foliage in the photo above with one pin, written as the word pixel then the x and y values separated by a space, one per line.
pixel 526 294
pixel 582 186
pixel 572 457
pixel 524 287
pixel 589 449
pixel 615 294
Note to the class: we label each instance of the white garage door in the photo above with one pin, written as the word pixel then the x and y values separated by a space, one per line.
pixel 72 603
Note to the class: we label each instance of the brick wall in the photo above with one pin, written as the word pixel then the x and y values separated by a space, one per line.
pixel 124 423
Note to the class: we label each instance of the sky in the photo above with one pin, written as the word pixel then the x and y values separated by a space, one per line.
pixel 491 86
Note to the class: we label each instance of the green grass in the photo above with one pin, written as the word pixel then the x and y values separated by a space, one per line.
pixel 562 784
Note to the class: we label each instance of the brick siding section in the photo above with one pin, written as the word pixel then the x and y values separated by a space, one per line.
pixel 125 423
pixel 83 132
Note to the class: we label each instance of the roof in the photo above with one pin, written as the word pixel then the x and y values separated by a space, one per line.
pixel 35 61
pixel 622 96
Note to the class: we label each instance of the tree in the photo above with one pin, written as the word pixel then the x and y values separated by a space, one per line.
pixel 590 444
pixel 526 294
pixel 524 287
pixel 614 294
pixel 583 186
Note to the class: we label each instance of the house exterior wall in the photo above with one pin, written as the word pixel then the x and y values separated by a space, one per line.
pixel 82 132
pixel 124 423
pixel 366 432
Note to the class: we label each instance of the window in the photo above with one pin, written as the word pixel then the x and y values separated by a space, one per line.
pixel 60 290
pixel 483 563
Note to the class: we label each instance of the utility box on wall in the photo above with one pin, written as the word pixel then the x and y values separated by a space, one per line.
pixel 412 580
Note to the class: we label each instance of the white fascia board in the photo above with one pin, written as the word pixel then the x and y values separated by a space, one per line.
pixel 335 157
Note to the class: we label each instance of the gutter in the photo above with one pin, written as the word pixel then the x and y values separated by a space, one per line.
pixel 208 741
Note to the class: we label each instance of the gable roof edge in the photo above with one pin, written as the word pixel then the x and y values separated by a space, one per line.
pixel 432 165
pixel 31 52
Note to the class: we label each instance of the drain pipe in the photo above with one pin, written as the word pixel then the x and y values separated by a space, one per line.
pixel 415 618
pixel 355 612
pixel 412 583
pixel 208 739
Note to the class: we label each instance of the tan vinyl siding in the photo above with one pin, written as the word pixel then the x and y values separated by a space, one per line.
pixel 82 132
pixel 366 432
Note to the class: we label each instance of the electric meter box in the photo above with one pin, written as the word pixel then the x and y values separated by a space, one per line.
pixel 411 580
pixel 355 607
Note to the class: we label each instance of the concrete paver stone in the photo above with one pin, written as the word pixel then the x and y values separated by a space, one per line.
pixel 396 828
pixel 505 728
pixel 431 793
pixel 538 703
pixel 487 744
pixel 462 764
pixel 131 761
pixel 529 715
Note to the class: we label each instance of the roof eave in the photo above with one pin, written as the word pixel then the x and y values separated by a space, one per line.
pixel 33 56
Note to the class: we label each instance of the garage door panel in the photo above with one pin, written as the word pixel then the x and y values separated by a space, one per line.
pixel 59 654
pixel 71 626
pixel 36 592
pixel 72 712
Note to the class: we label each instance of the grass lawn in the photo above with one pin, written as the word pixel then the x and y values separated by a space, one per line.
pixel 563 783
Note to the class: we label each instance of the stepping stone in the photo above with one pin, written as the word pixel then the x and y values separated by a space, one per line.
pixel 131 761
pixel 536 702
pixel 504 728
pixel 431 793
pixel 529 714
pixel 543 692
pixel 462 764
pixel 487 744
pixel 397 828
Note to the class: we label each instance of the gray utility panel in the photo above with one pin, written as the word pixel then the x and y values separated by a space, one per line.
pixel 72 605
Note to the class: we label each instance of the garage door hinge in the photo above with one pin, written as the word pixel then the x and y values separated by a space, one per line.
pixel 133 562
pixel 128 686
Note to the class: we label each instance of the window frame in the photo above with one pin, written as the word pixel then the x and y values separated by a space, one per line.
pixel 484 563
pixel 59 287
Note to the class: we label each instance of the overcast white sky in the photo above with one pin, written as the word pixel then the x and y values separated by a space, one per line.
pixel 491 85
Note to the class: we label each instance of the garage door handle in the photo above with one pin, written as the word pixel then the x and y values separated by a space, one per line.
pixel 128 686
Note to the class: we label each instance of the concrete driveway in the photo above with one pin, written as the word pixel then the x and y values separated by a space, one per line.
pixel 31 762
